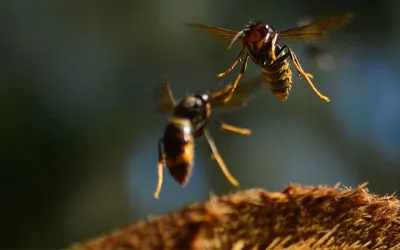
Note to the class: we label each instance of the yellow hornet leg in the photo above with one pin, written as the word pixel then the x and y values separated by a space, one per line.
pixel 273 46
pixel 234 129
pixel 219 160
pixel 237 60
pixel 307 76
pixel 160 166
pixel 241 74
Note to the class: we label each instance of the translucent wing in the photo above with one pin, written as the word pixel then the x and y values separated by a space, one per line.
pixel 316 29
pixel 222 34
pixel 245 91
pixel 165 98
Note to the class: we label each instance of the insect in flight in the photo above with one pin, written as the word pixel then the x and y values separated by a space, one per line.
pixel 190 117
pixel 260 42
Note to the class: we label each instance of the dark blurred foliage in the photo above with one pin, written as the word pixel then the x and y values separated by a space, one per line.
pixel 79 130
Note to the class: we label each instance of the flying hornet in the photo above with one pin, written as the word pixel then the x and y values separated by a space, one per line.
pixel 260 44
pixel 190 116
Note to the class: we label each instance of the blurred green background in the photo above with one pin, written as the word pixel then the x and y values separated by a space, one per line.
pixel 79 127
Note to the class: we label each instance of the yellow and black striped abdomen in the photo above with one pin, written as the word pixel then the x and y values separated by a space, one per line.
pixel 279 78
pixel 178 144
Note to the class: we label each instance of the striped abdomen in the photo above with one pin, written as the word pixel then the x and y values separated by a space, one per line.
pixel 178 144
pixel 279 78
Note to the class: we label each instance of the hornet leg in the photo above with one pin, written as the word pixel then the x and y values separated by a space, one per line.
pixel 241 74
pixel 161 157
pixel 237 60
pixel 300 70
pixel 292 57
pixel 224 91
pixel 219 160
pixel 234 129
pixel 273 46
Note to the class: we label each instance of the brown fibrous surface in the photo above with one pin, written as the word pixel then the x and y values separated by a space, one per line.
pixel 299 217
